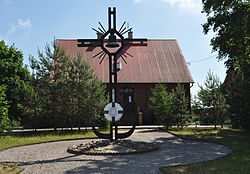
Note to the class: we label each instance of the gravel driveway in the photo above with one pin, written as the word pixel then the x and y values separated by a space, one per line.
pixel 53 158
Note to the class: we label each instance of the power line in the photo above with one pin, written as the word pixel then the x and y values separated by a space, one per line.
pixel 200 60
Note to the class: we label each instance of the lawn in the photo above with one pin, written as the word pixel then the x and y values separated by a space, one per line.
pixel 10 139
pixel 23 138
pixel 9 169
pixel 238 162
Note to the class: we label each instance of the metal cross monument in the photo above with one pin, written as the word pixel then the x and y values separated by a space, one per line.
pixel 114 48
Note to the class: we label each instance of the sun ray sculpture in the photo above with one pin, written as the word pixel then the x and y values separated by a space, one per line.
pixel 113 110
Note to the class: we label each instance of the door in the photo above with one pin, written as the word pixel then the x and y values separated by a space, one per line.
pixel 127 99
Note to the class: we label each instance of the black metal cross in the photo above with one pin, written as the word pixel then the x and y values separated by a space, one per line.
pixel 119 44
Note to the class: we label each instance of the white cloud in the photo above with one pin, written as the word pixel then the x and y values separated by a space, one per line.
pixel 138 1
pixel 193 6
pixel 24 24
pixel 22 27
pixel 12 29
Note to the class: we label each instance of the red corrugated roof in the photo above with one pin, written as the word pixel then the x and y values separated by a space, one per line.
pixel 159 61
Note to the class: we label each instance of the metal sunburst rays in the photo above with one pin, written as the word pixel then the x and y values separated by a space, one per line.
pixel 123 54
pixel 101 30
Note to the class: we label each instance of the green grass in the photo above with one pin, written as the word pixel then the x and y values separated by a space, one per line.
pixel 23 138
pixel 10 139
pixel 9 169
pixel 238 162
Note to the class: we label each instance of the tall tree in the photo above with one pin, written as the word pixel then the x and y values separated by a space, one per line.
pixel 179 105
pixel 49 80
pixel 87 91
pixel 238 99
pixel 230 20
pixel 14 76
pixel 4 119
pixel 211 99
pixel 65 89
pixel 161 105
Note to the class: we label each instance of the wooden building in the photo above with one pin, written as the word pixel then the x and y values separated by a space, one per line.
pixel 161 61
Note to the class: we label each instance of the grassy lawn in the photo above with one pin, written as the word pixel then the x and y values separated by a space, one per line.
pixel 9 169
pixel 23 138
pixel 238 162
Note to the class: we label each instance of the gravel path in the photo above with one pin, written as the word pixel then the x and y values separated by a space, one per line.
pixel 53 158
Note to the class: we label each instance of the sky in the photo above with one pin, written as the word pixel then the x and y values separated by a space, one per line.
pixel 30 24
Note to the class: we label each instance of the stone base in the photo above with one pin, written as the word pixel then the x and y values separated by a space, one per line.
pixel 119 147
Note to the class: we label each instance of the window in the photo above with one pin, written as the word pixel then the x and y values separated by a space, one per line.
pixel 119 66
pixel 126 90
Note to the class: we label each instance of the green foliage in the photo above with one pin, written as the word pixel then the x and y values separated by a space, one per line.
pixel 195 119
pixel 207 93
pixel 65 91
pixel 86 92
pixel 169 108
pixel 161 105
pixel 231 22
pixel 211 101
pixel 179 106
pixel 14 76
pixel 238 98
pixel 4 119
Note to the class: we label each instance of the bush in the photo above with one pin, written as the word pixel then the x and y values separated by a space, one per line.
pixel 169 108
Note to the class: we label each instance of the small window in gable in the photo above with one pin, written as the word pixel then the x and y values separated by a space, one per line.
pixel 119 66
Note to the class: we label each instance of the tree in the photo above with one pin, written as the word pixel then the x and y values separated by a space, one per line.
pixel 14 76
pixel 161 105
pixel 87 91
pixel 238 99
pixel 65 90
pixel 48 79
pixel 179 105
pixel 5 123
pixel 231 22
pixel 211 99
pixel 169 108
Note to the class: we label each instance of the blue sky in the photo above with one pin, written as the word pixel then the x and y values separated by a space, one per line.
pixel 29 24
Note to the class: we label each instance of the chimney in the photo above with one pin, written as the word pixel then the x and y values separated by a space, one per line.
pixel 99 35
pixel 130 34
